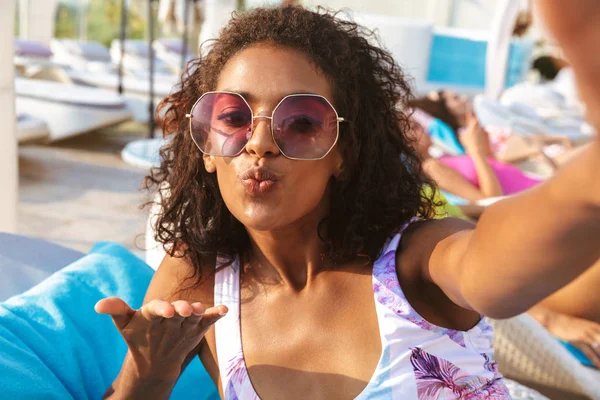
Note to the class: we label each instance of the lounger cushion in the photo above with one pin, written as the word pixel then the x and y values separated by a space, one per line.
pixel 54 346
pixel 31 48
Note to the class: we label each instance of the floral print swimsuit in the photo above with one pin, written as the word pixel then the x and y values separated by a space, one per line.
pixel 419 360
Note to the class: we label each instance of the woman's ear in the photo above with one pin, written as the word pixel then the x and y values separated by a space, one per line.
pixel 209 164
pixel 338 166
pixel 433 96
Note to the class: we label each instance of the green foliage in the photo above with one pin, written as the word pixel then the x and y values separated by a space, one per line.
pixel 66 21
pixel 103 21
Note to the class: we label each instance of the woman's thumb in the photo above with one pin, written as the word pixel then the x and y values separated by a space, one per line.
pixel 471 118
pixel 120 311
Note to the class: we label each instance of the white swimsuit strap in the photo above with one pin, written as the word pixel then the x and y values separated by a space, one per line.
pixel 227 329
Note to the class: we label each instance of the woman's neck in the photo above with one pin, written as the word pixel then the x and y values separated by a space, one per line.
pixel 291 256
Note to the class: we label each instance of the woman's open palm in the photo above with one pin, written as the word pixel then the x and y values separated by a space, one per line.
pixel 161 335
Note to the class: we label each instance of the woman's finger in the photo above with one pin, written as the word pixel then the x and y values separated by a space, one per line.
pixel 595 338
pixel 183 308
pixel 596 347
pixel 589 353
pixel 120 311
pixel 197 313
pixel 470 117
pixel 212 315
pixel 156 309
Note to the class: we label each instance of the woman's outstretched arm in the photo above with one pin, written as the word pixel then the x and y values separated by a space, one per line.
pixel 526 247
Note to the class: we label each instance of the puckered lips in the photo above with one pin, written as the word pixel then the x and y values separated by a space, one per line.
pixel 259 180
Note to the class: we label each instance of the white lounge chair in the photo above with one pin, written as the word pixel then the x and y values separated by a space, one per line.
pixel 171 52
pixel 28 52
pixel 45 91
pixel 90 64
pixel 68 109
pixel 30 129
pixel 88 56
pixel 527 352
pixel 136 59
pixel 25 262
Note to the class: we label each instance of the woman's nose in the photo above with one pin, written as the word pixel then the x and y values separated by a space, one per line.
pixel 261 140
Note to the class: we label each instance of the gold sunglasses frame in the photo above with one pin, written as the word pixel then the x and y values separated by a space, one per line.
pixel 338 120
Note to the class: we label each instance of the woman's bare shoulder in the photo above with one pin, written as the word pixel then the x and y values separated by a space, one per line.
pixel 421 238
pixel 176 279
pixel 424 295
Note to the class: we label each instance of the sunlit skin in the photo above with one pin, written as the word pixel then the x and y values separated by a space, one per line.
pixel 298 196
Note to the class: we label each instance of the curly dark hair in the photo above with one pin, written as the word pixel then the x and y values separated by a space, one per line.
pixel 437 108
pixel 380 188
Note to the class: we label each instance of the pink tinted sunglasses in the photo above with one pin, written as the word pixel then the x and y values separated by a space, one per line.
pixel 303 126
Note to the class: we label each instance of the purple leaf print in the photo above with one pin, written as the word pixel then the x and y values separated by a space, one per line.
pixel 238 385
pixel 389 293
pixel 230 392
pixel 440 379
pixel 490 365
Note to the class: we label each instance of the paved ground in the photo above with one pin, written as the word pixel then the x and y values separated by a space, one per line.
pixel 78 191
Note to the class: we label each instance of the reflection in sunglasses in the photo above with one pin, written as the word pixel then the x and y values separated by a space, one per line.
pixel 229 143
pixel 304 126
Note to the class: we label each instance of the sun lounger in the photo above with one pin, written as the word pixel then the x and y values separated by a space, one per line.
pixel 52 343
pixel 527 352
pixel 25 261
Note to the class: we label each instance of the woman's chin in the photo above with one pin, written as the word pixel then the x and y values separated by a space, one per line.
pixel 261 224
pixel 261 219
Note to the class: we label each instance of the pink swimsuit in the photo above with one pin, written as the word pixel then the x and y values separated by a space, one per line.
pixel 511 178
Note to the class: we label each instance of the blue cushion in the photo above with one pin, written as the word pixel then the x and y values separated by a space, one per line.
pixel 460 61
pixel 457 60
pixel 53 345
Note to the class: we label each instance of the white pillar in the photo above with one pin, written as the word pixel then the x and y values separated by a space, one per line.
pixel 37 19
pixel 217 14
pixel 498 46
pixel 8 139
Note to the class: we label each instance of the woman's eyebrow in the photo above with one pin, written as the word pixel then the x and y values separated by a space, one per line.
pixel 246 95
pixel 251 99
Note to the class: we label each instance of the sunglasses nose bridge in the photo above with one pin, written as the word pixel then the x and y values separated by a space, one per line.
pixel 260 139
pixel 257 119
pixel 261 116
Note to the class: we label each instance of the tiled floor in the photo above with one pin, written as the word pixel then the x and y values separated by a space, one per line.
pixel 78 192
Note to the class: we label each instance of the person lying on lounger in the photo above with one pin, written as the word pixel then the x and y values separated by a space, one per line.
pixel 303 260
pixel 455 112
pixel 475 175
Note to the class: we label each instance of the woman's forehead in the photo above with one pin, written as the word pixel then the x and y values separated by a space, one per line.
pixel 267 73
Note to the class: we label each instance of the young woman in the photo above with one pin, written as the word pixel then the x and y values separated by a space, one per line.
pixel 298 266
pixel 455 112
pixel 475 175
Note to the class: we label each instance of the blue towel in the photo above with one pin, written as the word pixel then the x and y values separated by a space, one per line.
pixel 53 345
pixel 454 200
pixel 440 131
pixel 578 354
